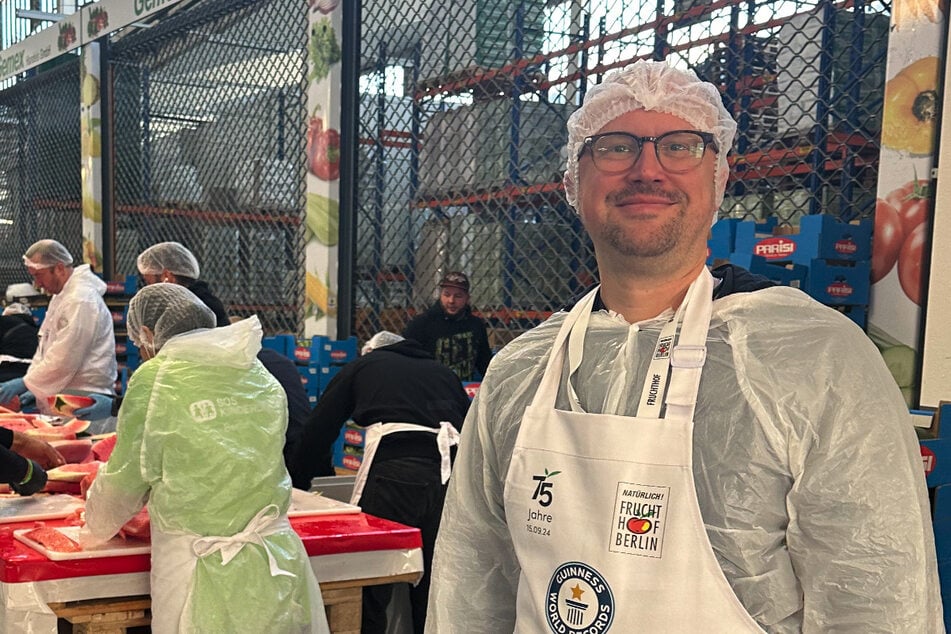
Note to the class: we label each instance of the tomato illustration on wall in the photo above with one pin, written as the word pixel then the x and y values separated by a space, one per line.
pixel 323 150
pixel 900 234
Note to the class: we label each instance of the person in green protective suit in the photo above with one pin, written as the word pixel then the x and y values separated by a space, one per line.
pixel 199 438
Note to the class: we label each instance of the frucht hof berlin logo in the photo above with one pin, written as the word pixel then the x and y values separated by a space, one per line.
pixel 579 600
pixel 641 512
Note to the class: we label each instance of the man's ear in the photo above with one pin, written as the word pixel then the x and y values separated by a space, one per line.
pixel 147 342
pixel 569 182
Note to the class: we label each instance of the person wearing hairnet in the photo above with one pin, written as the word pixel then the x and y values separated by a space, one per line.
pixel 412 408
pixel 18 340
pixel 77 345
pixel 199 439
pixel 175 263
pixel 680 452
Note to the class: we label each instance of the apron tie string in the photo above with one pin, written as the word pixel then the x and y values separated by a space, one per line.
pixel 260 526
pixel 448 436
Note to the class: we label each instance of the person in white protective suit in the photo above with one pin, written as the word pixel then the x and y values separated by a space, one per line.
pixel 77 345
pixel 200 439
pixel 681 451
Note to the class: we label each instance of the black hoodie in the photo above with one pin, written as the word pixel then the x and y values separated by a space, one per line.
pixel 396 383
pixel 459 341
pixel 727 278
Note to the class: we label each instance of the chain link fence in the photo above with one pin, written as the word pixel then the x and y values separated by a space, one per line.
pixel 209 132
pixel 40 191
pixel 462 128
pixel 208 129
pixel 461 140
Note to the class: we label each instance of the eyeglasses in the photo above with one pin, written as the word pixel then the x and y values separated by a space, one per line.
pixel 677 151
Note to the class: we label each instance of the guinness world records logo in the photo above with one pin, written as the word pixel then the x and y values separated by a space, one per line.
pixel 579 600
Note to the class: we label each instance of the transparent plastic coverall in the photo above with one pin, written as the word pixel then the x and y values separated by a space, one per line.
pixel 806 465
pixel 77 351
pixel 200 436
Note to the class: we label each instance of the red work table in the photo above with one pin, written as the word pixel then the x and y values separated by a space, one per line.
pixel 347 552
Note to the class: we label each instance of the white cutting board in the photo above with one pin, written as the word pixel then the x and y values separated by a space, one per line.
pixel 304 504
pixel 16 508
pixel 115 547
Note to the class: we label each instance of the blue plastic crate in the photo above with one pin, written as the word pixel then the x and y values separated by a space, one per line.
pixel 354 435
pixel 324 375
pixel 325 351
pixel 820 236
pixel 789 274
pixel 834 284
pixel 284 344
pixel 722 240
pixel 127 286
pixel 309 379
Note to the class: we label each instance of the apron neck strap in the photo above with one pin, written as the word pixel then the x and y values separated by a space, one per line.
pixel 683 364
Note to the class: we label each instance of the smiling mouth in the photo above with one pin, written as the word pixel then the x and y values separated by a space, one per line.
pixel 628 202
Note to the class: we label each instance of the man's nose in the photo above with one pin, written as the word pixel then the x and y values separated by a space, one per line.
pixel 646 163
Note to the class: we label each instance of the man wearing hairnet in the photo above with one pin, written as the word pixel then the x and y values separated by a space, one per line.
pixel 679 452
pixel 77 346
pixel 199 438
pixel 174 262
pixel 412 407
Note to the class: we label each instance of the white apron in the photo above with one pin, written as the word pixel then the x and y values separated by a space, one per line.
pixel 447 436
pixel 603 509
pixel 173 569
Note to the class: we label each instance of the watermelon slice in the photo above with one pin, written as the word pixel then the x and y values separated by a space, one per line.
pixel 73 472
pixel 66 431
pixel 36 426
pixel 73 450
pixel 66 404
pixel 103 449
pixel 16 423
pixel 138 527
pixel 52 539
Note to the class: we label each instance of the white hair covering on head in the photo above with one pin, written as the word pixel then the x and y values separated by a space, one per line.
pixel 44 254
pixel 173 256
pixel 167 310
pixel 380 339
pixel 16 308
pixel 658 87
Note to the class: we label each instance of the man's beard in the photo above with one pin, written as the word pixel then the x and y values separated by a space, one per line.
pixel 660 240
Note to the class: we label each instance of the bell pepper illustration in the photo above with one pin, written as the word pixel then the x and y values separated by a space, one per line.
pixel 911 107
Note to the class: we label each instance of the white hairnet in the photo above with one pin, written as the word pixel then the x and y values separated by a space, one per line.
pixel 380 339
pixel 172 256
pixel 20 289
pixel 16 308
pixel 167 310
pixel 44 254
pixel 654 86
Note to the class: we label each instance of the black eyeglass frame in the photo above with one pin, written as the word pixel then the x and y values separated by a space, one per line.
pixel 709 140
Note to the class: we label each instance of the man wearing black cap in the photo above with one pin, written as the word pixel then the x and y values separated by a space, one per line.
pixel 451 333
